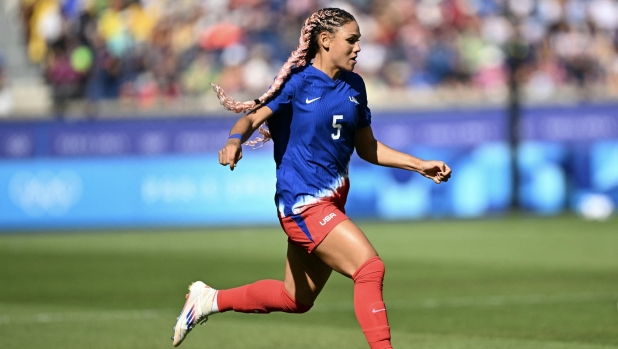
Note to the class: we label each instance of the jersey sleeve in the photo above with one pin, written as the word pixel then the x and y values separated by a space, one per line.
pixel 282 99
pixel 364 117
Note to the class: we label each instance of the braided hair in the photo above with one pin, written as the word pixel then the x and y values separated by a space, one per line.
pixel 325 20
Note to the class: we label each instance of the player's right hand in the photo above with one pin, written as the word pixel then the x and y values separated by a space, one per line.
pixel 231 153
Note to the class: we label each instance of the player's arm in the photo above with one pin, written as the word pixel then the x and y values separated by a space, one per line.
pixel 375 152
pixel 231 152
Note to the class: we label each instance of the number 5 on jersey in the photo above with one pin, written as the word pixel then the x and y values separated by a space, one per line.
pixel 337 126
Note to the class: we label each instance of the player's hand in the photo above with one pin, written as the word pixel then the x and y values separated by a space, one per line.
pixel 437 171
pixel 231 153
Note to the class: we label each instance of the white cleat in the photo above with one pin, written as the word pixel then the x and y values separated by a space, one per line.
pixel 200 297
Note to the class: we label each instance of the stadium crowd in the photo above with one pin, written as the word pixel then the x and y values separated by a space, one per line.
pixel 163 49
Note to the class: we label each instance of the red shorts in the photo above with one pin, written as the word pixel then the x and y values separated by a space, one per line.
pixel 309 228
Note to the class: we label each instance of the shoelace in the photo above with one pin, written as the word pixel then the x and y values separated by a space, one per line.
pixel 201 320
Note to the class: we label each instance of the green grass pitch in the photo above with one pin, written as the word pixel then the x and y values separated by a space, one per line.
pixel 500 283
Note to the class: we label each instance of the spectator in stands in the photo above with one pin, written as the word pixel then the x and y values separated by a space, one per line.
pixel 6 103
pixel 66 82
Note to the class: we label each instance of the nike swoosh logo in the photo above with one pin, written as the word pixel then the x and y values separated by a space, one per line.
pixel 311 100
pixel 377 311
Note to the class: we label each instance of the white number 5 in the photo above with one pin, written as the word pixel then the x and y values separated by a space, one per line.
pixel 337 126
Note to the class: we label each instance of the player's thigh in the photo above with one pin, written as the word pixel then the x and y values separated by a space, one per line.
pixel 305 274
pixel 345 248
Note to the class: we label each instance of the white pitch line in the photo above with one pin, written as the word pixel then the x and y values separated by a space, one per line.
pixel 324 307
pixel 106 315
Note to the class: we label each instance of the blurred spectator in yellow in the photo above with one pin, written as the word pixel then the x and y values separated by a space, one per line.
pixel 45 25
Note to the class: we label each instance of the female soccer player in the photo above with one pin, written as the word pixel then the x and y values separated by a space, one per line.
pixel 316 115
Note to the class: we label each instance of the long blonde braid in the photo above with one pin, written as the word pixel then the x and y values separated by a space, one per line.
pixel 326 19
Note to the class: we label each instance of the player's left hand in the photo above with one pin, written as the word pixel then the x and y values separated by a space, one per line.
pixel 435 170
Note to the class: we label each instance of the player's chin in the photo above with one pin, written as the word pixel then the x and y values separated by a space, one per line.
pixel 351 64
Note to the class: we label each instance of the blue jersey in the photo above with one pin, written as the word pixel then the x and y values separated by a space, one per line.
pixel 313 128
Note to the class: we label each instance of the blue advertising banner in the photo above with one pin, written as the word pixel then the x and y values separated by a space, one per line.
pixel 182 190
pixel 126 173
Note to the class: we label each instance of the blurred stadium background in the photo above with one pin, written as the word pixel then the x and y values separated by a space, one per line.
pixel 109 130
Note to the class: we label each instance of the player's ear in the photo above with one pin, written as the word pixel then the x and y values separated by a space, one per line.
pixel 324 40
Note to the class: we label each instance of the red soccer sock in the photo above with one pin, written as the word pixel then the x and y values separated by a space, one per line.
pixel 369 305
pixel 263 296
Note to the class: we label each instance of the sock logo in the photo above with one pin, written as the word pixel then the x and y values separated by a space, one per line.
pixel 327 218
pixel 377 311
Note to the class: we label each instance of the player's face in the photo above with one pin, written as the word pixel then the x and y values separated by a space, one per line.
pixel 346 46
